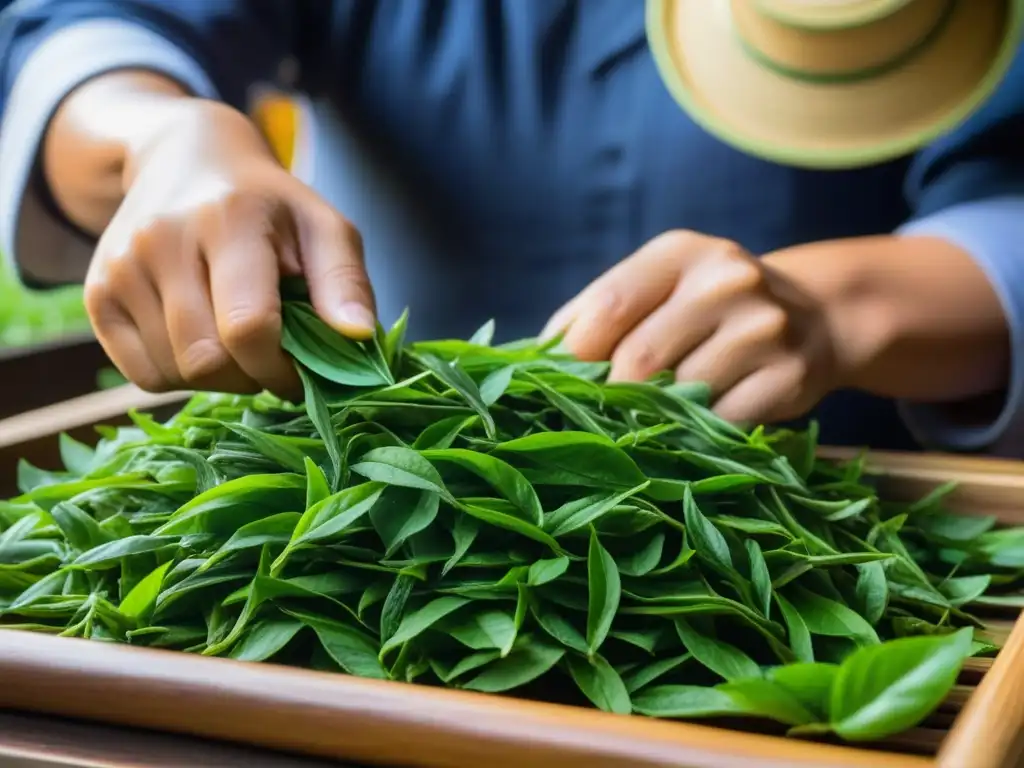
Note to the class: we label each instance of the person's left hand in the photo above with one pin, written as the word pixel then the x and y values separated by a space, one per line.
pixel 709 310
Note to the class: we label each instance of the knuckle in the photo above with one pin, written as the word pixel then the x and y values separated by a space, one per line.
pixel 237 208
pixel 201 359
pixel 638 357
pixel 244 202
pixel 345 273
pixel 612 307
pixel 148 241
pixel 338 229
pixel 120 273
pixel 247 325
pixel 796 370
pixel 97 296
pixel 731 251
pixel 773 323
pixel 149 380
pixel 737 272
pixel 675 239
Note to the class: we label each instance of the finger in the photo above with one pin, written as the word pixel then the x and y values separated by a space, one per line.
pixel 715 283
pixel 769 395
pixel 331 250
pixel 203 360
pixel 559 322
pixel 245 293
pixel 138 295
pixel 662 339
pixel 745 342
pixel 121 340
pixel 617 301
pixel 285 241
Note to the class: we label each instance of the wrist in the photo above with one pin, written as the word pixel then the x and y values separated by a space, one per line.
pixel 910 317
pixel 838 276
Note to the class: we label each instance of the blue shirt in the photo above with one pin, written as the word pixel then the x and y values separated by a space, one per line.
pixel 499 155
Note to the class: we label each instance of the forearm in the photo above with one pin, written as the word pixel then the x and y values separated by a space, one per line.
pixel 915 318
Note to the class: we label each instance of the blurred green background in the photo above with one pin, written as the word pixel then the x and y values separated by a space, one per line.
pixel 32 317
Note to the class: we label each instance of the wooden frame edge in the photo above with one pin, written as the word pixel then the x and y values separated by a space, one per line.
pixel 989 733
pixel 341 717
pixel 93 408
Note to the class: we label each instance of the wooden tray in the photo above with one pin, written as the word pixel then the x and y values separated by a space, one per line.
pixel 33 741
pixel 385 723
pixel 34 376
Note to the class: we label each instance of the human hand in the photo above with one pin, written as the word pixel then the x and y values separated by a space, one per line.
pixel 183 289
pixel 709 310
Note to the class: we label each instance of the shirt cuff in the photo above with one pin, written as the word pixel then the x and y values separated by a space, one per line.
pixel 43 248
pixel 992 232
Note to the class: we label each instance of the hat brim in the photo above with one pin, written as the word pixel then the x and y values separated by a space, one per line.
pixel 823 124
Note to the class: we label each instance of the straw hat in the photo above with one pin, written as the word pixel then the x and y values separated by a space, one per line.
pixel 832 83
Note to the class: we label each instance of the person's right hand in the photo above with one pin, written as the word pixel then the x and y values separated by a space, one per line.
pixel 183 290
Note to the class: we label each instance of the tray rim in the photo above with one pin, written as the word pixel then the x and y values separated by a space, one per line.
pixel 341 717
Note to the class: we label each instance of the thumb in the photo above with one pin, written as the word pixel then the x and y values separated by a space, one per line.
pixel 332 261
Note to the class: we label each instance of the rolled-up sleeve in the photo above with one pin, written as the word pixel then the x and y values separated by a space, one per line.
pixel 968 188
pixel 215 48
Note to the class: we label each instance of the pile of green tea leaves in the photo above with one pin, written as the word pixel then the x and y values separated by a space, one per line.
pixel 498 518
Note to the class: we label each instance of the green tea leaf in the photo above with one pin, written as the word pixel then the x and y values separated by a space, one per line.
pixel 79 528
pixel 232 504
pixel 576 458
pixel 579 513
pixel 394 605
pixel 529 659
pixel 707 540
pixel 760 577
pixel 352 650
pixel 327 353
pixel 453 376
pixel 403 467
pixel 545 571
pixel 320 415
pixel 558 627
pixel 885 689
pixel 143 596
pixel 604 593
pixel 332 516
pixel 113 552
pixel 810 683
pixel 799 635
pixel 416 623
pixel 723 659
pixel 648 673
pixel 872 591
pixel 828 617
pixel 503 477
pixel 401 513
pixel 685 701
pixel 767 697
pixel 600 683
pixel 485 630
pixel 266 639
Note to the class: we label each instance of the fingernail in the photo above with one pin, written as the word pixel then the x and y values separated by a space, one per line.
pixel 356 317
